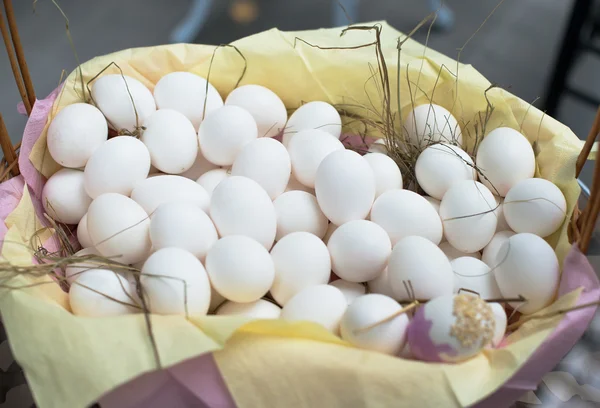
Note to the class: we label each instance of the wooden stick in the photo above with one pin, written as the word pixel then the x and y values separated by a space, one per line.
pixel 14 64
pixel 389 318
pixel 589 142
pixel 525 319
pixel 7 148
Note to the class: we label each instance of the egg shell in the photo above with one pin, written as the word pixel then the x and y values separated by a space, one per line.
pixel 381 284
pixel 502 225
pixel 211 179
pixel 536 206
pixel 259 309
pixel 467 213
pixel 441 165
pixel 200 166
pixel 124 101
pixel 378 146
pixel 501 322
pixel 418 260
pixel 216 300
pixel 351 290
pixel 224 133
pixel 152 192
pixel 171 140
pixel 322 304
pixel 434 202
pixel 240 206
pixel 330 229
pixel 301 260
pixel 527 266
pixel 345 187
pixel 264 105
pixel 299 211
pixel 294 185
pixel 175 283
pixel 386 171
pixel 98 293
pixel 64 197
pixel 388 337
pixel 116 166
pixel 313 115
pixel 504 157
pixel 75 133
pixel 265 161
pixel 74 270
pixel 307 151
pixel 187 93
pixel 453 253
pixel 83 235
pixel 490 252
pixel 402 213
pixel 119 228
pixel 474 275
pixel 431 123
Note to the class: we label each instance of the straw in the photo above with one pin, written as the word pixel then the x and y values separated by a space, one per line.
pixel 7 149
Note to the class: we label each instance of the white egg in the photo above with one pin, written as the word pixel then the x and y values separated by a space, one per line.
pixel 301 260
pixel 430 123
pixel 402 213
pixel 351 290
pixel 381 284
pixel 187 93
pixel 388 337
pixel 453 253
pixel 502 224
pixel 259 309
pixel 240 268
pixel 345 187
pixel 378 146
pixel 490 252
pixel 359 250
pixel 435 203
pixel 124 100
pixel 299 211
pixel 417 260
pixel 386 171
pixel 119 228
pixel 83 235
pixel 182 225
pixel 175 283
pixel 75 133
pixel 536 206
pixel 504 157
pixel 441 165
pixel 294 185
pixel 322 304
pixel 101 293
pixel 211 179
pixel 240 206
pixel 152 192
pixel 313 115
pixel 171 140
pixel 474 275
pixel 216 300
pixel 116 166
pixel 527 266
pixel 501 322
pixel 264 105
pixel 467 211
pixel 307 151
pixel 223 134
pixel 200 166
pixel 74 270
pixel 64 197
pixel 265 161
pixel 330 230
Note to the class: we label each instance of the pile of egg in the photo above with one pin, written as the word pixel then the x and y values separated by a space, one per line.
pixel 221 217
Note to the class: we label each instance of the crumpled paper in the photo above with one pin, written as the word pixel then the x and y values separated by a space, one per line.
pixel 71 360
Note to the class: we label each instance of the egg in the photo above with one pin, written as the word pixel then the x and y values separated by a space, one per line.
pixel 490 252
pixel 124 101
pixel 322 304
pixel 299 211
pixel 381 285
pixel 187 93
pixel 430 123
pixel 526 265
pixel 451 328
pixel 453 253
pixel 152 192
pixel 502 225
pixel 501 322
pixel 307 151
pixel 294 185
pixel 264 105
pixel 402 213
pixel 386 171
pixel 74 270
pixel 82 233
pixel 474 275
pixel 64 197
pixel 345 187
pixel 175 283
pixel 119 228
pixel 536 206
pixel 211 179
pixel 378 146
pixel 265 161
pixel 313 115
pixel 171 140
pixel 116 166
pixel 240 268
pixel 441 165
pixel 216 300
pixel 418 260
pixel 259 309
pixel 467 211
pixel 301 260
pixel 240 206
pixel 359 250
pixel 504 157
pixel 182 225
pixel 75 133
pixel 351 290
pixel 388 337
pixel 330 229
pixel 223 134
pixel 435 203
pixel 200 166
pixel 101 293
